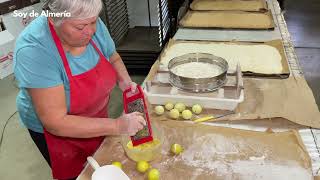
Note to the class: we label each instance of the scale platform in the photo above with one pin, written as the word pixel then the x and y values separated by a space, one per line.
pixel 159 91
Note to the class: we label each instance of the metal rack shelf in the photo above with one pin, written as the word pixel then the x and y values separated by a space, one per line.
pixel 138 46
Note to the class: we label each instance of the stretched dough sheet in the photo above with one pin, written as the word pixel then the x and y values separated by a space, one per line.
pixel 227 19
pixel 254 61
pixel 216 153
pixel 229 5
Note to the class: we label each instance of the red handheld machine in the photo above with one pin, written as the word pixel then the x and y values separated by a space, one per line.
pixel 135 102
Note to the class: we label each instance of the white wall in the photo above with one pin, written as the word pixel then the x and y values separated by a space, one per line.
pixel 2 1
pixel 138 12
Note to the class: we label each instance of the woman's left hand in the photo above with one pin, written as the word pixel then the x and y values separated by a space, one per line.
pixel 132 85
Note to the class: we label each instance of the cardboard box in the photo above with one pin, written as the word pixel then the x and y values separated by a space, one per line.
pixel 7 42
pixel 15 24
pixel 12 27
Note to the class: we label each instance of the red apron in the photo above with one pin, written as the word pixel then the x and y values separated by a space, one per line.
pixel 89 96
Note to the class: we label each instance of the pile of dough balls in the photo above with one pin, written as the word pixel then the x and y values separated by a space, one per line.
pixel 177 110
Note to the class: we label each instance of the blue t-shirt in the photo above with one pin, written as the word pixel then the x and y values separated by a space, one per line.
pixel 37 64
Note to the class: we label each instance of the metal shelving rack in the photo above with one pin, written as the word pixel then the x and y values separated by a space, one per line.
pixel 164 21
pixel 140 46
pixel 116 18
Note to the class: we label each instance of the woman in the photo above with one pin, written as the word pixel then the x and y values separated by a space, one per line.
pixel 66 68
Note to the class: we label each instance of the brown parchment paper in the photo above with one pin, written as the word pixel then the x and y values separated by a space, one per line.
pixel 241 5
pixel 277 43
pixel 290 98
pixel 227 19
pixel 216 153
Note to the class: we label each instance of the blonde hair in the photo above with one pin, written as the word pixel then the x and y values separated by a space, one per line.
pixel 78 9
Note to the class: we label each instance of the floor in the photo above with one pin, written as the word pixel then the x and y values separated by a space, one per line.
pixel 19 159
pixel 302 19
pixel 149 42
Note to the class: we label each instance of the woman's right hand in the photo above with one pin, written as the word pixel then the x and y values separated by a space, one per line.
pixel 130 124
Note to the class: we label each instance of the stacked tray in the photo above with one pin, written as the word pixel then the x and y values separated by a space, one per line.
pixel 164 21
pixel 141 46
pixel 117 19
pixel 138 46
pixel 139 52
pixel 231 14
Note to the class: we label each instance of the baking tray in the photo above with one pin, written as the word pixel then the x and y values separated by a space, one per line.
pixel 247 35
pixel 227 20
pixel 230 5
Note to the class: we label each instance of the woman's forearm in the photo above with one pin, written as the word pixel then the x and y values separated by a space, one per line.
pixel 123 77
pixel 83 127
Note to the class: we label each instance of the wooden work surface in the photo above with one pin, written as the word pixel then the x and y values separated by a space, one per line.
pixel 215 153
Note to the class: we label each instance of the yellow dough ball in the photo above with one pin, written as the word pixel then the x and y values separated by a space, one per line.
pixel 154 174
pixel 159 110
pixel 118 164
pixel 142 166
pixel 174 114
pixel 169 106
pixel 176 149
pixel 197 109
pixel 186 114
pixel 180 107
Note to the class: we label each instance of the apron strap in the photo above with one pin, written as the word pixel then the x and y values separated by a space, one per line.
pixel 96 48
pixel 60 50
